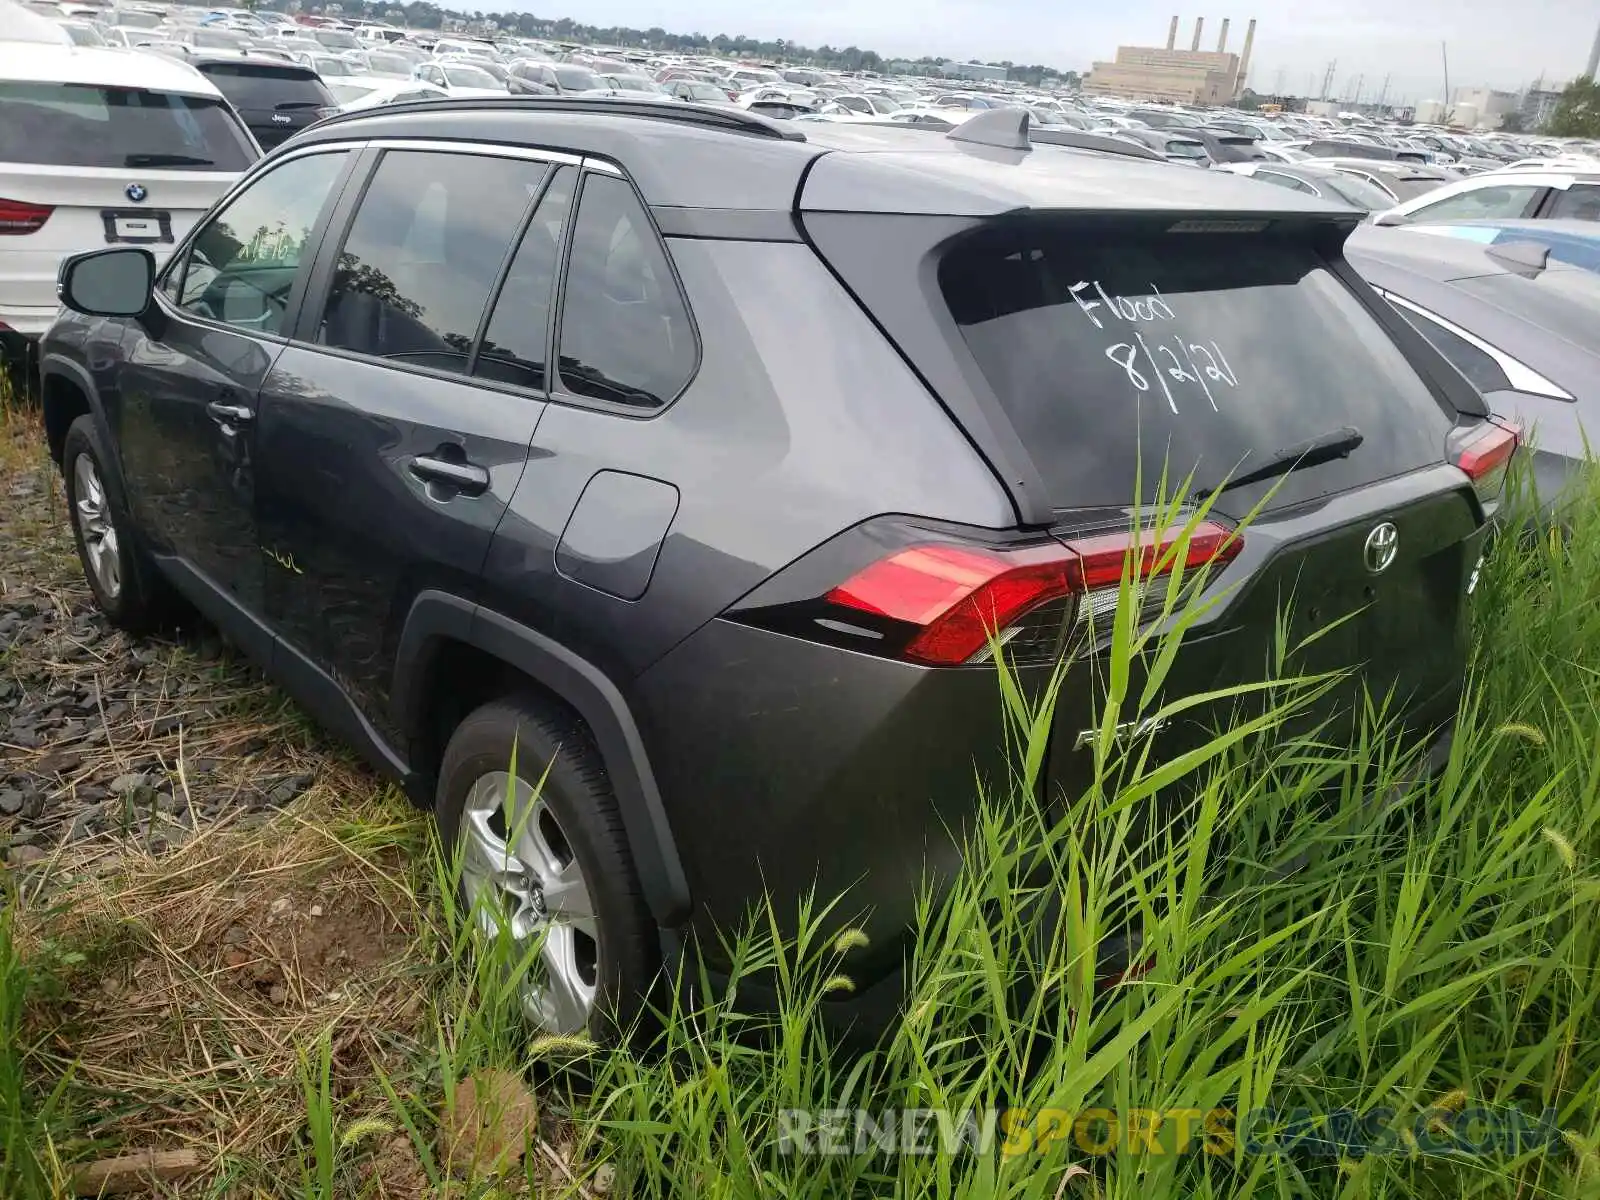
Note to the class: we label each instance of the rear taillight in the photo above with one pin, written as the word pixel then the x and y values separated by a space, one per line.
pixel 1487 456
pixel 947 602
pixel 18 216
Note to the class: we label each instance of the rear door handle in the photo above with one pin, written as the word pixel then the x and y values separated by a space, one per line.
pixel 229 414
pixel 467 478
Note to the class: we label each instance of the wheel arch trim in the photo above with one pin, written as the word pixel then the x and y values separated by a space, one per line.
pixel 437 618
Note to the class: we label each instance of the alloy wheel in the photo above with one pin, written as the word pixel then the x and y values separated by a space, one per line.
pixel 97 527
pixel 520 874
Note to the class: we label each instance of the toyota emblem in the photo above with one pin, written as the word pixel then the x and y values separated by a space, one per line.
pixel 135 192
pixel 1383 543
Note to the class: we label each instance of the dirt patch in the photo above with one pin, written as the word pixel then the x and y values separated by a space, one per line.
pixel 210 972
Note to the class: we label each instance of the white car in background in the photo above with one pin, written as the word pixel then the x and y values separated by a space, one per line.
pixel 100 147
pixel 461 79
pixel 367 91
pixel 1506 195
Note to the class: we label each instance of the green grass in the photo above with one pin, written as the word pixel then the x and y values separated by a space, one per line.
pixel 1326 932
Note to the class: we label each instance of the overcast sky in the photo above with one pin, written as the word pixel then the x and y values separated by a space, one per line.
pixel 1502 43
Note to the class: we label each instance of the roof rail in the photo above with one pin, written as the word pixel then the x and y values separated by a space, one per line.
pixel 1003 128
pixel 734 120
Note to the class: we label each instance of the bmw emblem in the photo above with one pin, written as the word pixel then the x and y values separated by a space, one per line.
pixel 135 192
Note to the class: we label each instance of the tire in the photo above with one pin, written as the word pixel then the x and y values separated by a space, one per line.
pixel 562 779
pixel 127 585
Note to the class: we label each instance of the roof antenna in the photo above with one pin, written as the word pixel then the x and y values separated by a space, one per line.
pixel 1003 128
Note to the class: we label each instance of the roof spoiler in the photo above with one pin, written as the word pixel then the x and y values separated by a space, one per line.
pixel 1014 129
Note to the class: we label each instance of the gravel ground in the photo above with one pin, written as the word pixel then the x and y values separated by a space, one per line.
pixel 106 738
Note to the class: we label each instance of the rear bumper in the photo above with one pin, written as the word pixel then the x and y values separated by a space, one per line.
pixel 789 769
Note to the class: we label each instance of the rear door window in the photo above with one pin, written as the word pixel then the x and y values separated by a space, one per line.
pixel 1202 354
pixel 77 125
pixel 416 270
pixel 513 349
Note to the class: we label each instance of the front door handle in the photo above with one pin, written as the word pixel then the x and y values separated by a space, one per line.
pixel 469 479
pixel 229 414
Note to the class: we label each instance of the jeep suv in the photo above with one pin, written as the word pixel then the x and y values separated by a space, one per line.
pixel 700 459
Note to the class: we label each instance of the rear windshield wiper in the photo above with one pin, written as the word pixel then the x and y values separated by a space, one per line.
pixel 166 160
pixel 1325 447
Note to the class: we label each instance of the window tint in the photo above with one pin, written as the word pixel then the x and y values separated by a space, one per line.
pixel 513 349
pixel 251 85
pixel 423 253
pixel 1189 353
pixel 625 335
pixel 243 263
pixel 1472 362
pixel 1580 202
pixel 1502 200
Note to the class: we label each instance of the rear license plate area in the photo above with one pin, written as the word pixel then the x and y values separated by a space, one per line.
pixel 139 227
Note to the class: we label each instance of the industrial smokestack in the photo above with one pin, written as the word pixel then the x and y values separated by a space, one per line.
pixel 1244 59
pixel 1172 34
pixel 1222 39
pixel 1199 24
pixel 1594 56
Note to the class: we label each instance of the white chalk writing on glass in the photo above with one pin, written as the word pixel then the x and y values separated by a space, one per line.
pixel 1174 362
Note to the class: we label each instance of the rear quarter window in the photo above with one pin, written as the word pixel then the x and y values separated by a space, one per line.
pixel 1202 354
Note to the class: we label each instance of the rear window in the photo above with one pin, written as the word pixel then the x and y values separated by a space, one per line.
pixel 576 79
pixel 77 125
pixel 219 39
pixel 253 86
pixel 1203 353
pixel 1357 192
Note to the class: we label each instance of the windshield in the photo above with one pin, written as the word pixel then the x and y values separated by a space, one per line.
pixel 576 79
pixel 84 35
pixel 78 125
pixel 1203 353
pixel 345 93
pixel 1183 148
pixel 1410 189
pixel 1358 192
pixel 331 67
pixel 883 104
pixel 336 39
pixel 219 39
pixel 634 83
pixel 459 75
pixel 137 20
pixel 247 85
pixel 389 64
pixel 704 91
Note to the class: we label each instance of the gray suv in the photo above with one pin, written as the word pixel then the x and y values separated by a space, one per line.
pixel 700 457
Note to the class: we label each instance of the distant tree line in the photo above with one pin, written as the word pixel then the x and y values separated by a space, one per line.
pixel 419 14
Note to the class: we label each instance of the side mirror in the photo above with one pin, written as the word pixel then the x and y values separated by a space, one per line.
pixel 1389 218
pixel 107 283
